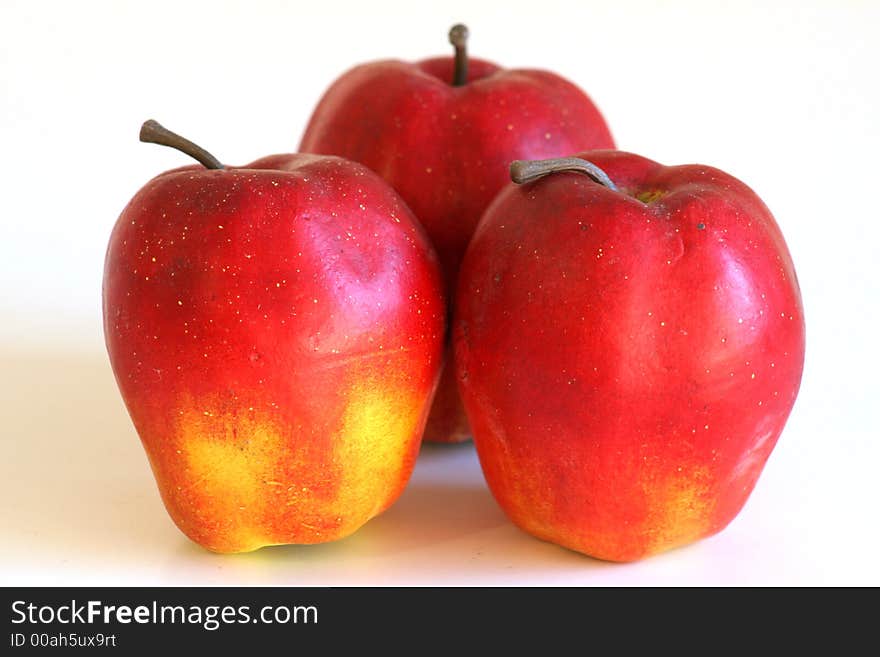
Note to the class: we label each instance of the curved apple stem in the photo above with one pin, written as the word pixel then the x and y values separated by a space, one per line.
pixel 153 132
pixel 458 36
pixel 523 171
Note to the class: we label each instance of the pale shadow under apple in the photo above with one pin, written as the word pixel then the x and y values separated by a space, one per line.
pixel 444 500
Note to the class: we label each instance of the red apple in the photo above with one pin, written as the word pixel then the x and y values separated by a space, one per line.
pixel 442 131
pixel 628 356
pixel 276 331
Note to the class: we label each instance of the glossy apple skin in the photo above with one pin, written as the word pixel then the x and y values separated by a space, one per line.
pixel 446 150
pixel 276 332
pixel 627 367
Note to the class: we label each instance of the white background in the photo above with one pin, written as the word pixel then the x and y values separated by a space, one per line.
pixel 783 95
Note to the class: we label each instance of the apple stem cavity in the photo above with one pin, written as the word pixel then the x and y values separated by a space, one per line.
pixel 153 132
pixel 524 171
pixel 458 36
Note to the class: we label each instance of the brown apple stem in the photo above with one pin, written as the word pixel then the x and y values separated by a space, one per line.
pixel 153 132
pixel 523 171
pixel 458 37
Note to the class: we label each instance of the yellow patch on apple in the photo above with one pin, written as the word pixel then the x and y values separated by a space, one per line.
pixel 242 482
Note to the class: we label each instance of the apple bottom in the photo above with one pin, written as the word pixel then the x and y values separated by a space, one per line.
pixel 447 421
pixel 235 479
pixel 621 499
